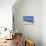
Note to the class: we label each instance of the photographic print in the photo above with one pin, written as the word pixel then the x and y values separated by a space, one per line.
pixel 28 19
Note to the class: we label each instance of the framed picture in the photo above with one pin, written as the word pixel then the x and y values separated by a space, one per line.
pixel 28 20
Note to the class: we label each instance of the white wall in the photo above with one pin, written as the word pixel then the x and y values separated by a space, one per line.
pixel 43 22
pixel 6 13
pixel 29 8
